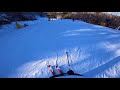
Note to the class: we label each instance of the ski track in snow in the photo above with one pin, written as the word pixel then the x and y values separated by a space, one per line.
pixel 93 50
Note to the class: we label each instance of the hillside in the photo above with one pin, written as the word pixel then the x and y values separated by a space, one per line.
pixel 94 51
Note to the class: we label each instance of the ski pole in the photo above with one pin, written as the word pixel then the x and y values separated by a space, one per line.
pixel 68 59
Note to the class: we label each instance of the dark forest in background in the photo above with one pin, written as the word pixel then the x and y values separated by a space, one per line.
pixel 97 18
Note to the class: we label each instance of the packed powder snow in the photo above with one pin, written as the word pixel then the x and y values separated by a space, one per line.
pixel 94 51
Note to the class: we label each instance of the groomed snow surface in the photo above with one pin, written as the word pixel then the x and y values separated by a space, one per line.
pixel 94 51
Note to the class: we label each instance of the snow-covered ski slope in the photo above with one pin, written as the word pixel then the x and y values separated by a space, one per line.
pixel 94 51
